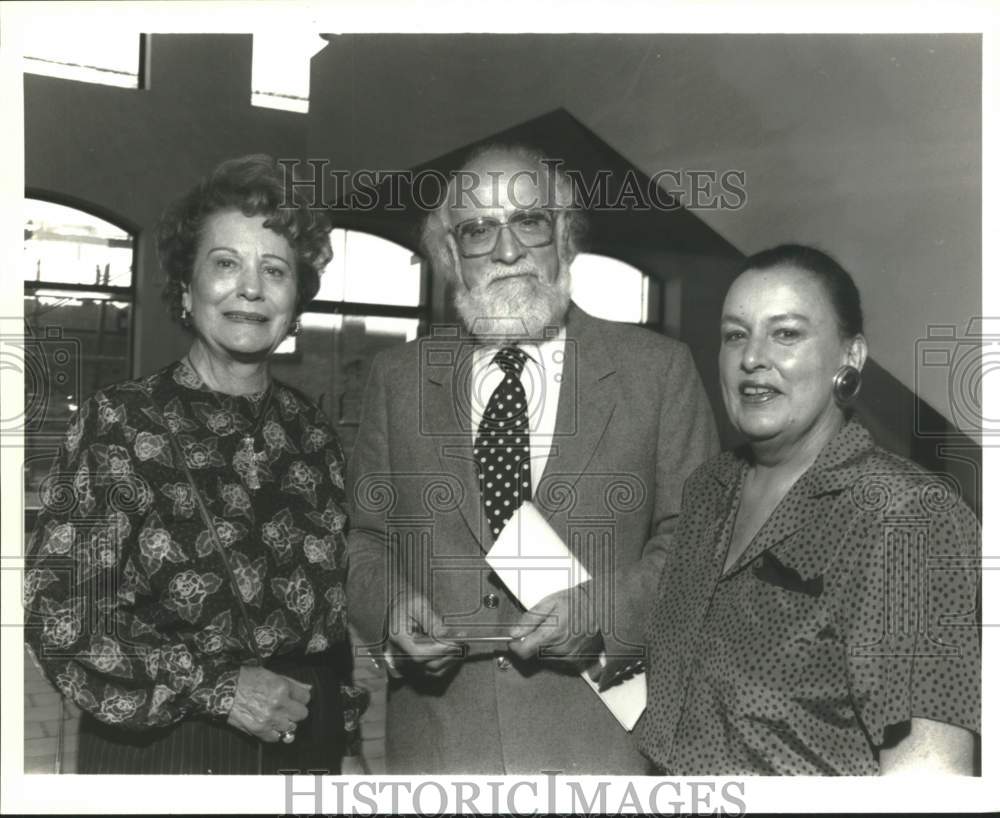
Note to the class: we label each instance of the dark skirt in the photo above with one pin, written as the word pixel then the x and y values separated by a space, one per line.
pixel 201 746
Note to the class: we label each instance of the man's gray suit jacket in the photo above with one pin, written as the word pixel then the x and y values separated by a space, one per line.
pixel 633 422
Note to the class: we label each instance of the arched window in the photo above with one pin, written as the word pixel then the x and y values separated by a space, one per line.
pixel 611 289
pixel 77 270
pixel 373 295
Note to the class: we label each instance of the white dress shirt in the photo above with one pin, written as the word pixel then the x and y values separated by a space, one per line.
pixel 541 378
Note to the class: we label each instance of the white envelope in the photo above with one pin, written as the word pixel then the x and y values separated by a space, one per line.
pixel 531 559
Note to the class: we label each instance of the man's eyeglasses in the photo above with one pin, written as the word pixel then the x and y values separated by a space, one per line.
pixel 478 237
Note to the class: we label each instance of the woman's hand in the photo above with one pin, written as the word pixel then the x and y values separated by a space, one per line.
pixel 268 704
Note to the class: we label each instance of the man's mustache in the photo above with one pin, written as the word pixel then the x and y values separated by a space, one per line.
pixel 509 272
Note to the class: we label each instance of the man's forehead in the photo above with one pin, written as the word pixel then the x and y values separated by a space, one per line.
pixel 502 182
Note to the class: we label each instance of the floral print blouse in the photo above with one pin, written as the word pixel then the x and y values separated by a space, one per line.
pixel 131 610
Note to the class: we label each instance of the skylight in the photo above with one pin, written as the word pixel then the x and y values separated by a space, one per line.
pixel 110 59
pixel 281 64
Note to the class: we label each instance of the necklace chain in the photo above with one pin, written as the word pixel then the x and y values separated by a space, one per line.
pixel 252 462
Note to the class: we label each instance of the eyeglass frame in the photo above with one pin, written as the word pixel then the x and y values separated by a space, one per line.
pixel 553 212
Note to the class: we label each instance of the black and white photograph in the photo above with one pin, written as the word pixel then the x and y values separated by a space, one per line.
pixel 516 409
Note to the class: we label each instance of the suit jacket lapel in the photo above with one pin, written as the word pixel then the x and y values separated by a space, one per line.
pixel 445 420
pixel 587 399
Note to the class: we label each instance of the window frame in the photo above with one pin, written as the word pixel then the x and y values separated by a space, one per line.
pixel 116 292
pixel 421 312
pixel 654 295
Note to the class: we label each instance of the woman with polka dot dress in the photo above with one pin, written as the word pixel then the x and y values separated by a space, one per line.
pixel 818 613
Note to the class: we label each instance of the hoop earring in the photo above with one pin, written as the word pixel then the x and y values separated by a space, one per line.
pixel 185 318
pixel 846 384
pixel 296 329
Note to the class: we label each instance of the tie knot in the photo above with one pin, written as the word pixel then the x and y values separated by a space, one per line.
pixel 511 359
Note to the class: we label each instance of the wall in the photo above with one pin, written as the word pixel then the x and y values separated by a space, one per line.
pixel 870 147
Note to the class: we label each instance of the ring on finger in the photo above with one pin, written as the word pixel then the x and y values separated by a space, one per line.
pixel 287 736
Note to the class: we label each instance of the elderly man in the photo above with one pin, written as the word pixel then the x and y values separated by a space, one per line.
pixel 597 424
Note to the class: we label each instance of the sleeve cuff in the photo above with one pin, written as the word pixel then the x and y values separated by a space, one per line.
pixel 216 696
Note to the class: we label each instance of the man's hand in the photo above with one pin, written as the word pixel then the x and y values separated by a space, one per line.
pixel 562 627
pixel 413 648
pixel 268 704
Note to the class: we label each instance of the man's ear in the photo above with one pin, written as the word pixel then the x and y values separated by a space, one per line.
pixel 451 260
pixel 564 239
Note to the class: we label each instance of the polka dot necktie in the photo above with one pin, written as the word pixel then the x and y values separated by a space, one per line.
pixel 501 447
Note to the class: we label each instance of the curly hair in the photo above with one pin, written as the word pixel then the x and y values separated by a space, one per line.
pixel 436 226
pixel 254 186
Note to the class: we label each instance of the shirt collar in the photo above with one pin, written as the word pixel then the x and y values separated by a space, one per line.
pixel 841 462
pixel 540 352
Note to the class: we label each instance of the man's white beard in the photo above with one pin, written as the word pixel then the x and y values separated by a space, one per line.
pixel 514 308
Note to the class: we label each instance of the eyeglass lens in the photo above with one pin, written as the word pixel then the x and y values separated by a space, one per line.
pixel 533 228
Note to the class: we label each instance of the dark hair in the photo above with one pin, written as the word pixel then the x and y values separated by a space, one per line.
pixel 254 186
pixel 837 282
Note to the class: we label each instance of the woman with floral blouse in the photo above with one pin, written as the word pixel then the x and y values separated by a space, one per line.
pixel 185 578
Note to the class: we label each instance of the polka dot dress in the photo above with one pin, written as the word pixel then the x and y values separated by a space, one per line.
pixel 501 446
pixel 852 611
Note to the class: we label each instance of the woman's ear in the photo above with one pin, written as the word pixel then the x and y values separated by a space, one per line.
pixel 857 352
pixel 186 297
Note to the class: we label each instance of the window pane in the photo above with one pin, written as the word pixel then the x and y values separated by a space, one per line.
pixel 334 355
pixel 610 289
pixel 280 72
pixel 108 58
pixel 371 270
pixel 72 247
